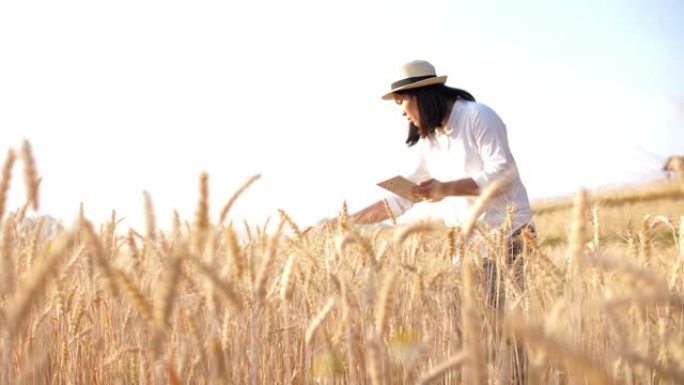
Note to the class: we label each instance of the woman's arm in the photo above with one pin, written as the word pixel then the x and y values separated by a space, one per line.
pixel 491 139
pixel 371 214
pixel 434 191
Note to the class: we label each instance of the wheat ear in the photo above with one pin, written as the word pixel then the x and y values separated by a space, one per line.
pixel 439 370
pixel 223 287
pixel 99 256
pixel 231 201
pixel 451 241
pixel 290 223
pixel 577 360
pixel 384 303
pixel 8 266
pixel 133 247
pixel 38 279
pixel 343 218
pixel 30 174
pixel 491 191
pixel 389 211
pixel 472 337
pixel 237 257
pixel 578 236
pixel 286 284
pixel 353 237
pixel 645 249
pixel 681 238
pixel 5 182
pixel 320 317
pixel 202 213
pixel 136 296
pixel 416 228
pixel 164 303
pixel 596 225
pixel 269 255
pixel 149 216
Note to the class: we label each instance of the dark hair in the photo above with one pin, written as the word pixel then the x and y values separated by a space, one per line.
pixel 433 102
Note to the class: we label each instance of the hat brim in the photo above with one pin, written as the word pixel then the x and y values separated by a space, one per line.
pixel 418 84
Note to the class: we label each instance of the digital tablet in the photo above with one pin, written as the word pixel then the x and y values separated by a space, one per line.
pixel 400 186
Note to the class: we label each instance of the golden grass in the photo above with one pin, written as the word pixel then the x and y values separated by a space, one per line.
pixel 618 212
pixel 350 305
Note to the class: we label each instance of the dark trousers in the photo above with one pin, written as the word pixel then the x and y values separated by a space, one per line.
pixel 513 265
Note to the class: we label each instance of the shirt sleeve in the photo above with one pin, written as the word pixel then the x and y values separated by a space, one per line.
pixel 490 138
pixel 399 205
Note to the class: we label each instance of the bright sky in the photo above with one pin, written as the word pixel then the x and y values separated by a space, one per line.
pixel 121 97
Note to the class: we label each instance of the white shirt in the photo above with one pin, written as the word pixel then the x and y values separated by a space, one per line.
pixel 474 144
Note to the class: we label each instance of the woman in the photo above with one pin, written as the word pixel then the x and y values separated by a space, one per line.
pixel 463 147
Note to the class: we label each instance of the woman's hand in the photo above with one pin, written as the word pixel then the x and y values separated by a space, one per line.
pixel 430 190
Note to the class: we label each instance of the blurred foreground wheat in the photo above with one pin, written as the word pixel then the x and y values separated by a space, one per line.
pixel 232 303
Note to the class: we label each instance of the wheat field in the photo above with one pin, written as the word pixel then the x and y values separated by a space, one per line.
pixel 217 302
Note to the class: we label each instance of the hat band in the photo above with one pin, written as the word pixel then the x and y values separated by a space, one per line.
pixel 414 79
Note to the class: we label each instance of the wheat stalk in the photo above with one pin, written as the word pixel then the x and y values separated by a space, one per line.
pixel 6 178
pixel 389 211
pixel 343 217
pixel 384 303
pixel 675 374
pixel 236 255
pixel 269 255
pixel 578 236
pixel 8 265
pixel 33 243
pixel 442 368
pixel 133 247
pixel 619 265
pixel 235 196
pixel 451 241
pixel 681 238
pixel 352 237
pixel 137 297
pixel 224 287
pixel 30 174
pixel 164 300
pixel 286 285
pixel 149 216
pixel 645 240
pixel 416 228
pixel 202 213
pixel 619 322
pixel 376 373
pixel 99 256
pixel 654 220
pixel 75 324
pixel 575 358
pixel 493 189
pixel 471 326
pixel 290 223
pixel 37 281
pixel 550 277
pixel 596 225
pixel 318 320
pixel 507 225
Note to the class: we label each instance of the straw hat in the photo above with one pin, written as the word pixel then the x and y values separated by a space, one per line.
pixel 414 74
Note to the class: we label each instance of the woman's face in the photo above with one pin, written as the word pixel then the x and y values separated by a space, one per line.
pixel 409 107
